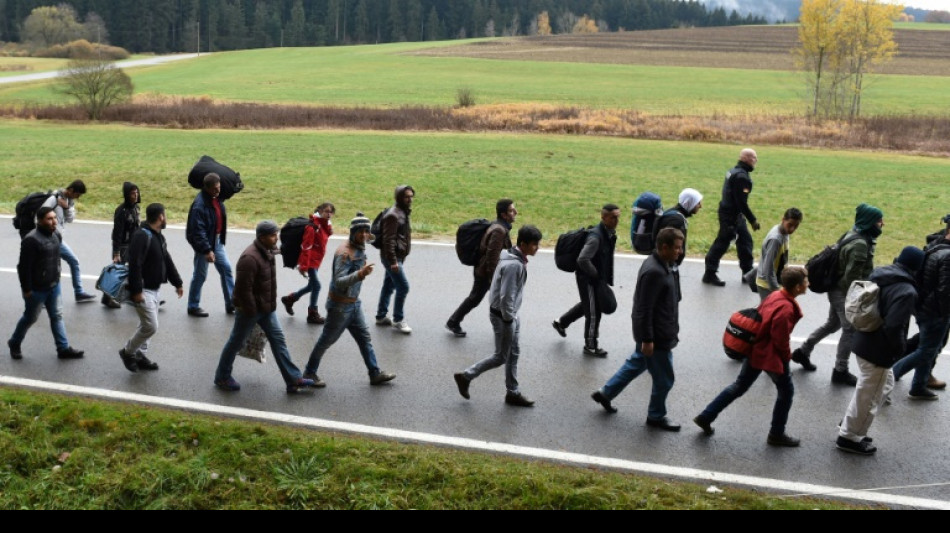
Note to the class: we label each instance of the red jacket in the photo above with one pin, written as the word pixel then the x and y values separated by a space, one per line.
pixel 780 312
pixel 314 244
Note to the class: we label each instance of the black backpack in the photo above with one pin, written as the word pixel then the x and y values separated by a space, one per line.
pixel 291 239
pixel 468 240
pixel 646 210
pixel 568 247
pixel 26 208
pixel 377 229
pixel 823 267
pixel 231 183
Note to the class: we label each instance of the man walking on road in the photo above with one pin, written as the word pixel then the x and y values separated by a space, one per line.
pixel 594 277
pixel 766 279
pixel 690 202
pixel 877 351
pixel 150 266
pixel 734 211
pixel 771 354
pixel 396 237
pixel 344 308
pixel 933 319
pixel 507 291
pixel 655 331
pixel 255 302
pixel 496 240
pixel 855 262
pixel 39 272
pixel 206 233
pixel 63 203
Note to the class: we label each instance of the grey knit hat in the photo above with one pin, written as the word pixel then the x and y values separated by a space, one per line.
pixel 360 222
pixel 267 227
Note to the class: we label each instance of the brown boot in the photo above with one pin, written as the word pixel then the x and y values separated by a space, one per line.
pixel 289 302
pixel 313 317
pixel 935 384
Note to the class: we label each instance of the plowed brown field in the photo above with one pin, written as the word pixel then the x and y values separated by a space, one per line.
pixel 746 47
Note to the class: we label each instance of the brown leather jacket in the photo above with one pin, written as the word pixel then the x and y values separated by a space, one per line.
pixel 396 231
pixel 255 283
pixel 496 239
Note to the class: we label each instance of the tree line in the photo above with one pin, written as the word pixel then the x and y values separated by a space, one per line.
pixel 164 26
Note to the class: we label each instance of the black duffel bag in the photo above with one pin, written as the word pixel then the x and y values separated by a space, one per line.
pixel 231 183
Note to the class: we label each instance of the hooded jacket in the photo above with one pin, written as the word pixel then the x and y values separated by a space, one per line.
pixel 771 351
pixel 313 247
pixel 126 220
pixel 935 280
pixel 507 286
pixel 202 223
pixel 898 298
pixel 63 216
pixel 855 260
pixel 495 241
pixel 396 231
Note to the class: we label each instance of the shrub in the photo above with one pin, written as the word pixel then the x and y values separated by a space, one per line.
pixel 83 49
pixel 465 97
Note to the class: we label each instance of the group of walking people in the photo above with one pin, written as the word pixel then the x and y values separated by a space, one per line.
pixel 917 284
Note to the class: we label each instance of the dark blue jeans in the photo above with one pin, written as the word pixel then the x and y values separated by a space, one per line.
pixel 52 300
pixel 313 287
pixel 340 318
pixel 399 284
pixel 243 326
pixel 660 367
pixel 933 331
pixel 747 376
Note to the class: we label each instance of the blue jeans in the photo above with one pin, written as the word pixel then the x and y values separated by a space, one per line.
pixel 67 255
pixel 660 367
pixel 399 284
pixel 201 274
pixel 313 287
pixel 340 318
pixel 747 376
pixel 933 330
pixel 243 326
pixel 53 301
pixel 507 352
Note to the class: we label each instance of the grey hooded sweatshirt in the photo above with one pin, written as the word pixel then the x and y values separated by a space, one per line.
pixel 507 286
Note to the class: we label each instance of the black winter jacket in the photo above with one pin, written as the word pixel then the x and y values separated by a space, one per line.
pixel 898 298
pixel 40 266
pixel 150 264
pixel 595 263
pixel 126 220
pixel 735 194
pixel 656 305
pixel 202 222
pixel 934 280
pixel 676 218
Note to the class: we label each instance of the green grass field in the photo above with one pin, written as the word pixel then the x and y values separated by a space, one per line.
pixel 67 453
pixel 11 66
pixel 388 75
pixel 559 182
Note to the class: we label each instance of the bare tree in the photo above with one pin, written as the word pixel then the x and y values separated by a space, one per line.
pixel 96 85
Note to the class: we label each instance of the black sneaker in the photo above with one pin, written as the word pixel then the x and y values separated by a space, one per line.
pixel 798 356
pixel 84 297
pixel 704 425
pixel 858 448
pixel 599 397
pixel 594 351
pixel 517 399
pixel 559 328
pixel 456 329
pixel 713 279
pixel 144 363
pixel 70 353
pixel 381 378
pixel 197 312
pixel 15 352
pixel 783 441
pixel 923 396
pixel 129 361
pixel 110 302
pixel 463 382
pixel 230 309
pixel 663 423
pixel 844 378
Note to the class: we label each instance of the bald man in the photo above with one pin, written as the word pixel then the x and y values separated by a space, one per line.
pixel 733 212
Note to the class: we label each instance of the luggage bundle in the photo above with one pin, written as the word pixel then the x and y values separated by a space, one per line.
pixel 231 183
pixel 646 210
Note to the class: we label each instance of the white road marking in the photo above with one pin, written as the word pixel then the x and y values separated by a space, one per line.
pixel 689 474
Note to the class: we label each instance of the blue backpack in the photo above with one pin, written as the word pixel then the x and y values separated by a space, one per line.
pixel 646 210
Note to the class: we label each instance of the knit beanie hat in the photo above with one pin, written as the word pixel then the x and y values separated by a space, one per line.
pixel 867 217
pixel 912 258
pixel 267 227
pixel 689 199
pixel 359 223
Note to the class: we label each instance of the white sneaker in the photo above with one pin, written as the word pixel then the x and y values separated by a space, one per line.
pixel 385 321
pixel 402 327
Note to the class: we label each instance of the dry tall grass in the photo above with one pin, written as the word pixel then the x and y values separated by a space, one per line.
pixel 924 135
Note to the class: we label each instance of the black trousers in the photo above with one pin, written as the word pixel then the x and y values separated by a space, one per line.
pixel 731 228
pixel 589 308
pixel 480 288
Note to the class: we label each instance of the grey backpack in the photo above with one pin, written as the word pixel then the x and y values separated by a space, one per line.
pixel 861 306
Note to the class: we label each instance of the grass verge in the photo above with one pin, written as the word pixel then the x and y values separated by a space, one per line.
pixel 60 452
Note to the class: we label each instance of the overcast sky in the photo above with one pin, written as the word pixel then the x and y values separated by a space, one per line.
pixel 788 9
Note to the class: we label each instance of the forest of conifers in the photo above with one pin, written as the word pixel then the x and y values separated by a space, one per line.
pixel 163 26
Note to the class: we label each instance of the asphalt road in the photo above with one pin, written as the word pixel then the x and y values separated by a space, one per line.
pixel 912 459
pixel 39 76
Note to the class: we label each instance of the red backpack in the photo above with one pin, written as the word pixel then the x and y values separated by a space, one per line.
pixel 741 333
